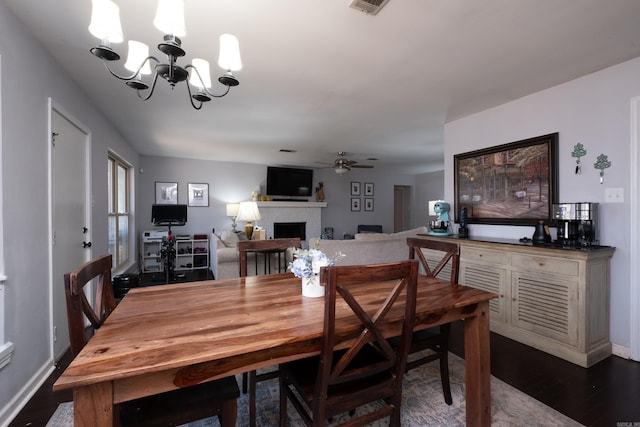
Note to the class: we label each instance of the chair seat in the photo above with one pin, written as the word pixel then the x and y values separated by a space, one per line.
pixel 203 400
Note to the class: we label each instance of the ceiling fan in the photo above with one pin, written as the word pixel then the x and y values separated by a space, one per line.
pixel 342 165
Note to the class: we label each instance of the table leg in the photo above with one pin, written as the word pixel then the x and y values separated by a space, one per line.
pixel 478 367
pixel 93 405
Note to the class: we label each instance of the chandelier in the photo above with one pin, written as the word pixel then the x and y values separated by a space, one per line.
pixel 105 25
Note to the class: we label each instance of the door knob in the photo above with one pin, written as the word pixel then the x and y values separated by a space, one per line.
pixel 86 244
pixel 84 230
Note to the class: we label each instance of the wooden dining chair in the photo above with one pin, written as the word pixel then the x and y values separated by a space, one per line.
pixel 215 398
pixel 438 259
pixel 369 369
pixel 268 248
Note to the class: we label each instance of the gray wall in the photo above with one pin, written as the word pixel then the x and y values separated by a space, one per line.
pixel 234 182
pixel 595 111
pixel 29 77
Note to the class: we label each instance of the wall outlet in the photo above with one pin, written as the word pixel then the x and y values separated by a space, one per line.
pixel 614 195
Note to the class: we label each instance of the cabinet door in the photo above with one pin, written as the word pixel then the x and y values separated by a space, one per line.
pixel 490 279
pixel 545 304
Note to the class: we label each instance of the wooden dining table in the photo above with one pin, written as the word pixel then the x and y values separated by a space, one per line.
pixel 164 337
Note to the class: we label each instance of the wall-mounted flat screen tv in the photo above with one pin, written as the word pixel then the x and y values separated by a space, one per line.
pixel 169 214
pixel 290 182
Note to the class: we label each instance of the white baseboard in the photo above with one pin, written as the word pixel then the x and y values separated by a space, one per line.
pixel 621 351
pixel 15 405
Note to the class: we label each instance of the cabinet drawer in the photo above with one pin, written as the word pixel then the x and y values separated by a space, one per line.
pixel 546 264
pixel 483 255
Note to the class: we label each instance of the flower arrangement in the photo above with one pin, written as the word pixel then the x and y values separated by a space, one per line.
pixel 306 263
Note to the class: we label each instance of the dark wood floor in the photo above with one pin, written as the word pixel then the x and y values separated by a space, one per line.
pixel 607 394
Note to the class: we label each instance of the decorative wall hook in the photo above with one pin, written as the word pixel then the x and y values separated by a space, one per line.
pixel 578 151
pixel 602 162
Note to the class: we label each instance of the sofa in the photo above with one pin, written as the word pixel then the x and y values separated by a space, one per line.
pixel 225 259
pixel 364 248
pixel 369 248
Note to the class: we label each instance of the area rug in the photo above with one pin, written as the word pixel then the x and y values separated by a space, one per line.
pixel 423 404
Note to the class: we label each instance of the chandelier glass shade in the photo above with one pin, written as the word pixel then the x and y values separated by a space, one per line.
pixel 169 19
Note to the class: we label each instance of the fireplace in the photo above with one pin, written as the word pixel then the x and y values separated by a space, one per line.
pixel 290 229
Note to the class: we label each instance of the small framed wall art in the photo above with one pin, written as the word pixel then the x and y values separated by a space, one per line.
pixel 198 194
pixel 355 188
pixel 368 188
pixel 355 204
pixel 166 193
pixel 368 204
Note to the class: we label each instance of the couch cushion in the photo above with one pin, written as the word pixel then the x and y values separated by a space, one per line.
pixel 383 236
pixel 228 255
pixel 229 238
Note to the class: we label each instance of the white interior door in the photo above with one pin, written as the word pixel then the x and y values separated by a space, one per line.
pixel 70 218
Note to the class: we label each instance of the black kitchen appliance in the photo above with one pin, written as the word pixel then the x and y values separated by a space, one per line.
pixel 577 224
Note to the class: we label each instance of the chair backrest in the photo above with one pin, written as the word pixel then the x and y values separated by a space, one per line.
pixel 352 287
pixel 447 252
pixel 281 244
pixel 78 306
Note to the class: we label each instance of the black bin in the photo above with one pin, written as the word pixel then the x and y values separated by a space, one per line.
pixel 123 282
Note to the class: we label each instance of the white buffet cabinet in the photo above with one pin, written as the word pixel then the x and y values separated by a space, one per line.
pixel 553 299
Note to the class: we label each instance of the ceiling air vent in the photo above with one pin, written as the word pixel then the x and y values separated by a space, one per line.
pixel 370 7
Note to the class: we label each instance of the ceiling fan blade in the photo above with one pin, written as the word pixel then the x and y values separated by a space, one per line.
pixel 350 162
pixel 362 166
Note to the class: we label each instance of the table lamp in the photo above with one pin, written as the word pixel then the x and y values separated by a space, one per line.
pixel 232 211
pixel 248 212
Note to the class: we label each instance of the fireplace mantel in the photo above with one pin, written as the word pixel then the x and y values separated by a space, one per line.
pixel 307 212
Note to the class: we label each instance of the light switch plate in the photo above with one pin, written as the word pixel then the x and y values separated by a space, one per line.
pixel 614 195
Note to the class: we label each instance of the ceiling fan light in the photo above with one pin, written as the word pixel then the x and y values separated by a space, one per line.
pixel 170 17
pixel 202 76
pixel 229 57
pixel 105 21
pixel 138 53
pixel 341 169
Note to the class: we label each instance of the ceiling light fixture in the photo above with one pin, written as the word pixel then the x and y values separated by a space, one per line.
pixel 105 25
pixel 341 169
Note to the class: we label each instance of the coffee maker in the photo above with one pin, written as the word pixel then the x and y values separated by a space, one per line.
pixel 577 224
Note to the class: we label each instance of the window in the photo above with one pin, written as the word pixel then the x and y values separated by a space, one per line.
pixel 119 217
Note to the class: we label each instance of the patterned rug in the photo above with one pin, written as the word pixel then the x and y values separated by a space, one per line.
pixel 422 405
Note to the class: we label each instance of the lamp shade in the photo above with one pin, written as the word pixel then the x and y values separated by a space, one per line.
pixel 170 17
pixel 229 57
pixel 138 52
pixel 202 77
pixel 232 209
pixel 105 21
pixel 248 212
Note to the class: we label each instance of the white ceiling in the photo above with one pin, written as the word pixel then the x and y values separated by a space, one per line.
pixel 320 77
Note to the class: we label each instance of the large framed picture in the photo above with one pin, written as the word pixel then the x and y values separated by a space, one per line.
pixel 514 183
pixel 166 193
pixel 198 194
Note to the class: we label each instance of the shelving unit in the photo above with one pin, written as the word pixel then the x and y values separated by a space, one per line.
pixel 191 254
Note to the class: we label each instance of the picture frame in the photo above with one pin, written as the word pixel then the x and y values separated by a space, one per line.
pixel 355 204
pixel 368 204
pixel 355 188
pixel 198 194
pixel 368 188
pixel 509 184
pixel 166 193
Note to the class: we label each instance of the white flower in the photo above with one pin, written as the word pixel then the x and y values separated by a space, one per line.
pixel 307 262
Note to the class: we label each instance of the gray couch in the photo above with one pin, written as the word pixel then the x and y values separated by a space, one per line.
pixel 365 248
pixel 369 248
